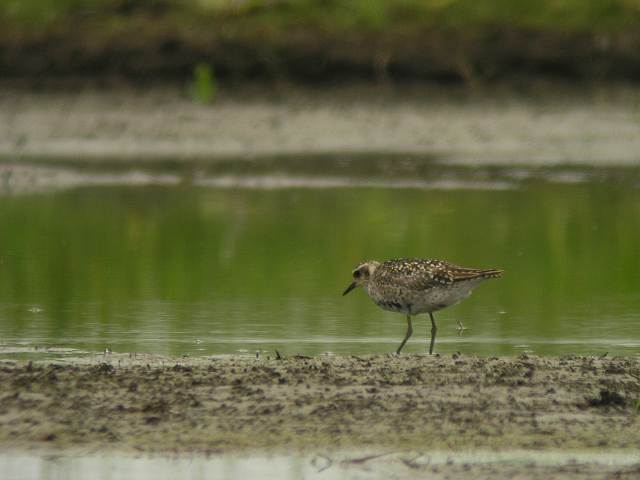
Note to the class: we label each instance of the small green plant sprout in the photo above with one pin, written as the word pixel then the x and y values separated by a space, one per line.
pixel 203 88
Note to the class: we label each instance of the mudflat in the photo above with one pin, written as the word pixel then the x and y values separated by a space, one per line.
pixel 302 404
pixel 540 126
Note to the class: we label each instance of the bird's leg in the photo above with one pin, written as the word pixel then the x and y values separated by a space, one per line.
pixel 434 329
pixel 406 337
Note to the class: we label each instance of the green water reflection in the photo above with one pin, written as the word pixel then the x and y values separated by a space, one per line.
pixel 185 270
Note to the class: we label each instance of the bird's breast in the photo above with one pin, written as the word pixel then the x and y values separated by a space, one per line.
pixel 390 300
pixel 393 306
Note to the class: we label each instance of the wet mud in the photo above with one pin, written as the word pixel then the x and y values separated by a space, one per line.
pixel 542 125
pixel 142 403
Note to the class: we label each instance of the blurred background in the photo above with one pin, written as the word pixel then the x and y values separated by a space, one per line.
pixel 319 40
pixel 199 177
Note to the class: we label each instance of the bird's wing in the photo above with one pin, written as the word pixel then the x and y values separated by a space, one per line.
pixel 414 274
pixel 421 274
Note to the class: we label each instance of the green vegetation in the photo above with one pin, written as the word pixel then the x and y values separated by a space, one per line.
pixel 203 88
pixel 343 14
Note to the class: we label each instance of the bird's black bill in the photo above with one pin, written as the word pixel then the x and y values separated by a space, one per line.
pixel 349 288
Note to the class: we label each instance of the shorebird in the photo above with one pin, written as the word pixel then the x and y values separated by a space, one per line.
pixel 414 285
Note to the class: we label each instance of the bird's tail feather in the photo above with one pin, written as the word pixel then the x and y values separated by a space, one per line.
pixel 491 273
pixel 474 273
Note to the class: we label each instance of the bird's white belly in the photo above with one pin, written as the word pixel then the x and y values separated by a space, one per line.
pixel 438 298
pixel 415 302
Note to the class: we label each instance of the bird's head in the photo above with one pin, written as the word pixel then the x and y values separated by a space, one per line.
pixel 361 274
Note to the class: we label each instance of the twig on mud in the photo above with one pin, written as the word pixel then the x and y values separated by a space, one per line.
pixel 411 463
pixel 278 356
pixel 361 460
pixel 360 359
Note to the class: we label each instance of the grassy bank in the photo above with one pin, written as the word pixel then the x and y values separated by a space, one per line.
pixel 598 15
pixel 317 40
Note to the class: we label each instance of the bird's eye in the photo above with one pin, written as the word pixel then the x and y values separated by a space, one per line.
pixel 357 274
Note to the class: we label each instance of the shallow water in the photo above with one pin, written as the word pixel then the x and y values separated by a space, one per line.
pixel 23 466
pixel 222 265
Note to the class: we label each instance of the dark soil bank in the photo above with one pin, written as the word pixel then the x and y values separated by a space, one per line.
pixel 301 404
pixel 299 55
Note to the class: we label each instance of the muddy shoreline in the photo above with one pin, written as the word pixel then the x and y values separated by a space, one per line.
pixel 151 404
pixel 544 125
